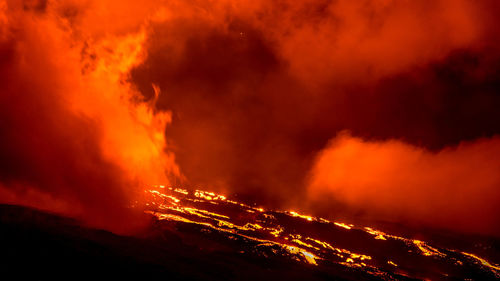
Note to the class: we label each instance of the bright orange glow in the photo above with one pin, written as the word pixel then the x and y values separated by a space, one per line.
pixel 264 231
pixel 310 258
pixel 392 263
pixel 485 263
pixel 426 249
pixel 378 235
pixel 91 141
pixel 295 214
pixel 356 111
pixel 343 225
pixel 119 95
pixel 173 208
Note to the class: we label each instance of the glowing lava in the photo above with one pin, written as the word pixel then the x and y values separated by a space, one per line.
pixel 315 241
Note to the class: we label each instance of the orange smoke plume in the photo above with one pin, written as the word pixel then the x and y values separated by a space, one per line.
pixel 456 187
pixel 76 137
pixel 245 93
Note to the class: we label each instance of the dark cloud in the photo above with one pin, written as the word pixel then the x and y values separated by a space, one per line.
pixel 434 106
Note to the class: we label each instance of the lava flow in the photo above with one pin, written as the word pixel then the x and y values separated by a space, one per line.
pixel 315 241
pixel 380 116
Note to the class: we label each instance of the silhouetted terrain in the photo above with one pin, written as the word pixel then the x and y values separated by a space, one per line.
pixel 40 246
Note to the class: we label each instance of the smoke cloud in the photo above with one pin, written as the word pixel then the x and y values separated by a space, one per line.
pixel 75 139
pixel 258 88
pixel 456 187
pixel 247 95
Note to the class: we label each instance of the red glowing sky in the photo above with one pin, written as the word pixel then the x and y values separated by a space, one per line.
pixel 378 106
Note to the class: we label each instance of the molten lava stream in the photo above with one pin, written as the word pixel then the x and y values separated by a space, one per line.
pixel 315 241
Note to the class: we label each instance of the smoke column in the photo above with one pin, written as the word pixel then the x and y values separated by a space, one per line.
pixel 76 139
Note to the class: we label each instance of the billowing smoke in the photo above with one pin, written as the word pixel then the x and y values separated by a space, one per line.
pixel 75 138
pixel 253 93
pixel 456 187
pixel 258 88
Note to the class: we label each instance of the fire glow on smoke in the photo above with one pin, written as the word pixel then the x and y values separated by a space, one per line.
pixel 254 97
